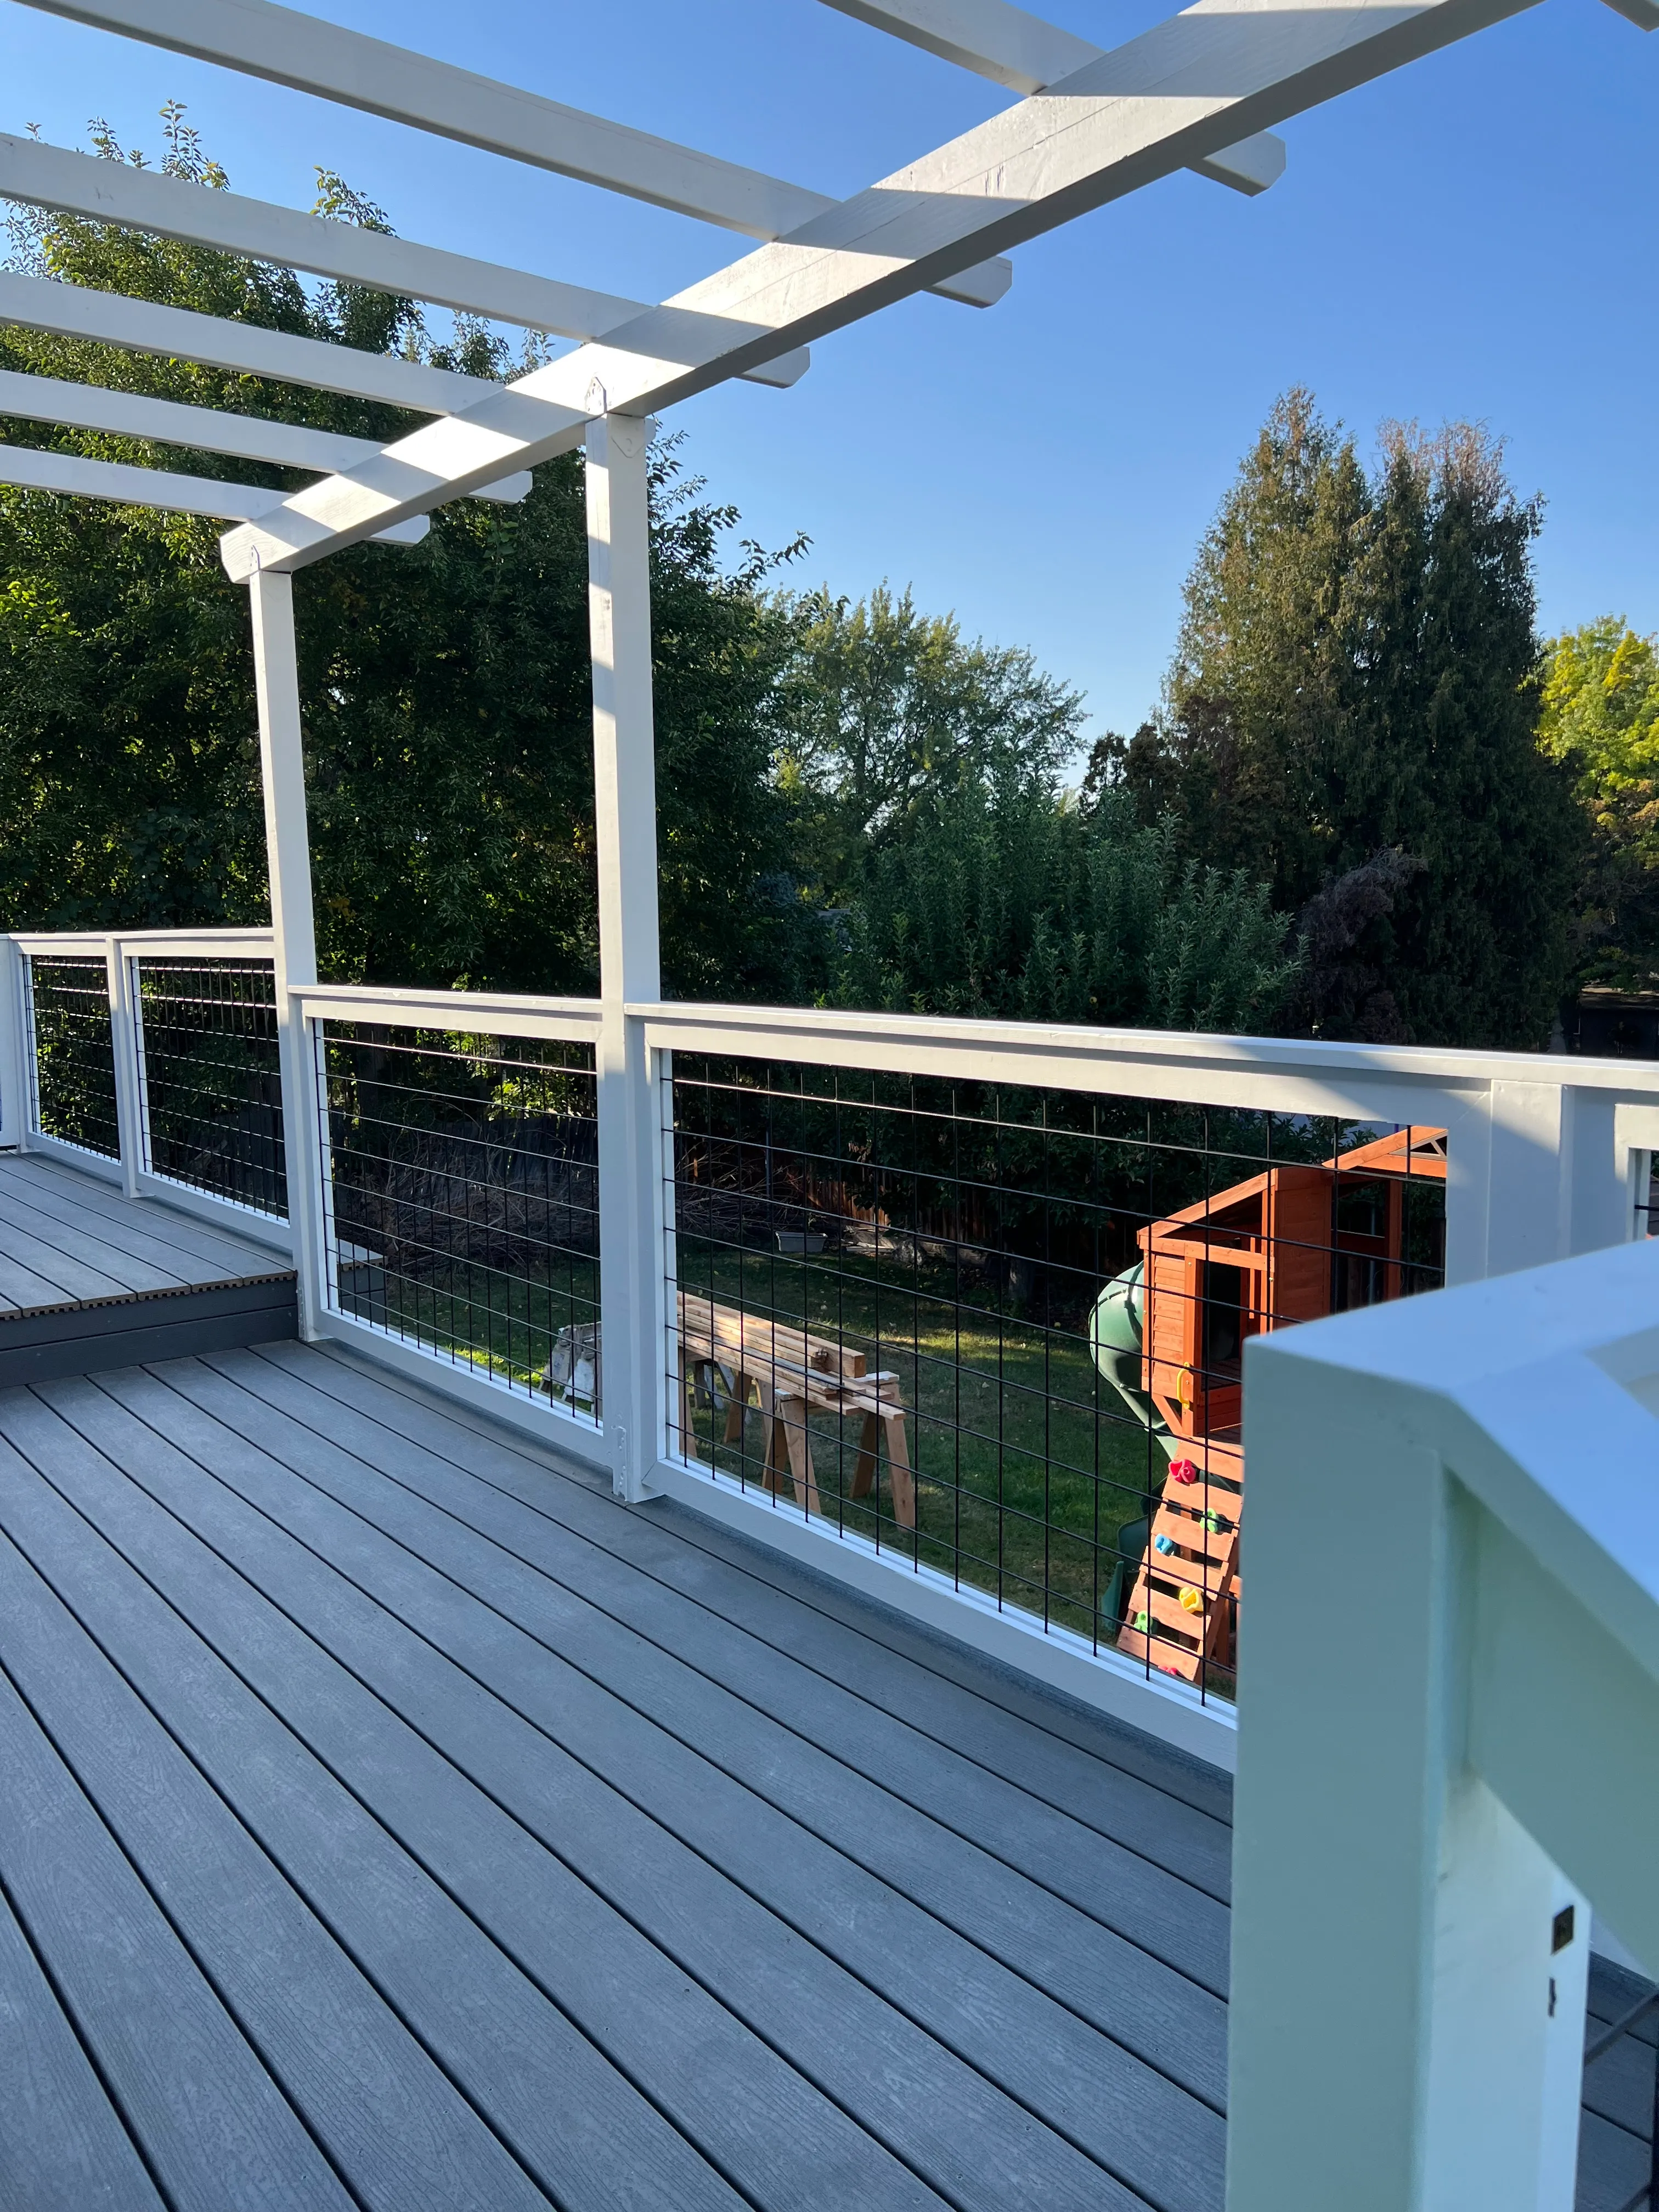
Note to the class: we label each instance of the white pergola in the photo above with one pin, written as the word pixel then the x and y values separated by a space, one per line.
pixel 1202 91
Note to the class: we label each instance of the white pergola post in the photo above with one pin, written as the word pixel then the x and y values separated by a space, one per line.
pixel 631 1293
pixel 288 857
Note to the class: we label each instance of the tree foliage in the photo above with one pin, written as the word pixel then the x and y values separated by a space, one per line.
pixel 883 708
pixel 445 686
pixel 1600 721
pixel 1357 674
pixel 1001 901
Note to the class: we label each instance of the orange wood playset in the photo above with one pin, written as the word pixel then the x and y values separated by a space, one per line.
pixel 1278 1249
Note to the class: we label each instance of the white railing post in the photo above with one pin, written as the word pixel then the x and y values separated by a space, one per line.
pixel 124 1044
pixel 16 1047
pixel 1424 1810
pixel 625 819
pixel 287 854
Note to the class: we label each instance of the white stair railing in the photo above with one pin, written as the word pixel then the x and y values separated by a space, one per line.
pixel 1424 1810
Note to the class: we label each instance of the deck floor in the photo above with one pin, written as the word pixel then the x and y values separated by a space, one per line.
pixel 71 1238
pixel 391 1820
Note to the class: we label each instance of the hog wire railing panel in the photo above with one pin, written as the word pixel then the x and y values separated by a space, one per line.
pixel 209 1089
pixel 996 1332
pixel 71 1051
pixel 461 1200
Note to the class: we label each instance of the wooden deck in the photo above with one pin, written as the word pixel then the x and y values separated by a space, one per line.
pixel 390 1819
pixel 90 1278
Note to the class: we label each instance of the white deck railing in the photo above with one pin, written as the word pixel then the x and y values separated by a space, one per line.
pixel 1422 1826
pixel 1545 1157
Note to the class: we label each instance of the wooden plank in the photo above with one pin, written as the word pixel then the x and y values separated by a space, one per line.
pixel 213 2126
pixel 871 1655
pixel 138 1227
pixel 63 2148
pixel 404 2127
pixel 945 2120
pixel 774 2131
pixel 794 1800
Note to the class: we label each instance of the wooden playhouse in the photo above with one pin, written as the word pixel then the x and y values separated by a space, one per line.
pixel 1291 1244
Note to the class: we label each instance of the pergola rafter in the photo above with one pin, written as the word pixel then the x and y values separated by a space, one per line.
pixel 1202 91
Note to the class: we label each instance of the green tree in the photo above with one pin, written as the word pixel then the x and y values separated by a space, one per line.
pixel 1358 675
pixel 1003 903
pixel 449 741
pixel 1600 721
pixel 883 707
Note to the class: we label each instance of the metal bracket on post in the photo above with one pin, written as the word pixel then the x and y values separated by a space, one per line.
pixel 288 853
pixel 124 1044
pixel 631 1285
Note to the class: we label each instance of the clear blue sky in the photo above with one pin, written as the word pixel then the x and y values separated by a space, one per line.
pixel 1476 236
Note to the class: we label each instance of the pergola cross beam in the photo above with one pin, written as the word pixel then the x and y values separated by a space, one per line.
pixel 1181 93
pixel 286 47
pixel 995 39
pixel 104 190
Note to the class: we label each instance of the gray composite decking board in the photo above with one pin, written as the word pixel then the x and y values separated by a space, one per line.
pixel 746 2103
pixel 1009 2031
pixel 77 1245
pixel 1123 1889
pixel 402 2132
pixel 1030 1724
pixel 138 1228
pixel 984 2150
pixel 1613 2165
pixel 63 2145
pixel 1163 2016
pixel 72 1281
pixel 1619 2086
pixel 85 1340
pixel 1079 1779
pixel 213 2124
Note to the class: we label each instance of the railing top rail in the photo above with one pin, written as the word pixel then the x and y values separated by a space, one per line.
pixel 495 1013
pixel 1063 1052
pixel 75 943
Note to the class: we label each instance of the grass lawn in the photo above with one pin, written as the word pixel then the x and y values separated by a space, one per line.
pixel 1026 1466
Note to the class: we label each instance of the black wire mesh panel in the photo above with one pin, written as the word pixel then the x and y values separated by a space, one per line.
pixel 997 1333
pixel 210 1092
pixel 464 1201
pixel 72 1077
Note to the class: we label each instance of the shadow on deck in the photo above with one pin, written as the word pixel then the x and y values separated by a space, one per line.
pixel 391 1820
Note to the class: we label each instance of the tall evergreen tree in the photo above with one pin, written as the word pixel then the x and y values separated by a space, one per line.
pixel 1358 675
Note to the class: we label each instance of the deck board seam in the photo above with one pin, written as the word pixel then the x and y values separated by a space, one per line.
pixel 185 1943
pixel 922 1813
pixel 151 1220
pixel 623 1912
pixel 346 1949
pixel 622 2066
pixel 9 1903
pixel 960 1666
pixel 946 1748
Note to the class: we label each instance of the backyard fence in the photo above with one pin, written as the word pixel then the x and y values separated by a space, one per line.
pixel 955 1310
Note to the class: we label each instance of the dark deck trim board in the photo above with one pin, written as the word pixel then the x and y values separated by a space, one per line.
pixel 393 1822
pixel 50 1341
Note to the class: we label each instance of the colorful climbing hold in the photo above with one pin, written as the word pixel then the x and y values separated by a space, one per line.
pixel 1183 1470
pixel 1215 1525
pixel 1191 1602
pixel 1143 1621
pixel 1164 1544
